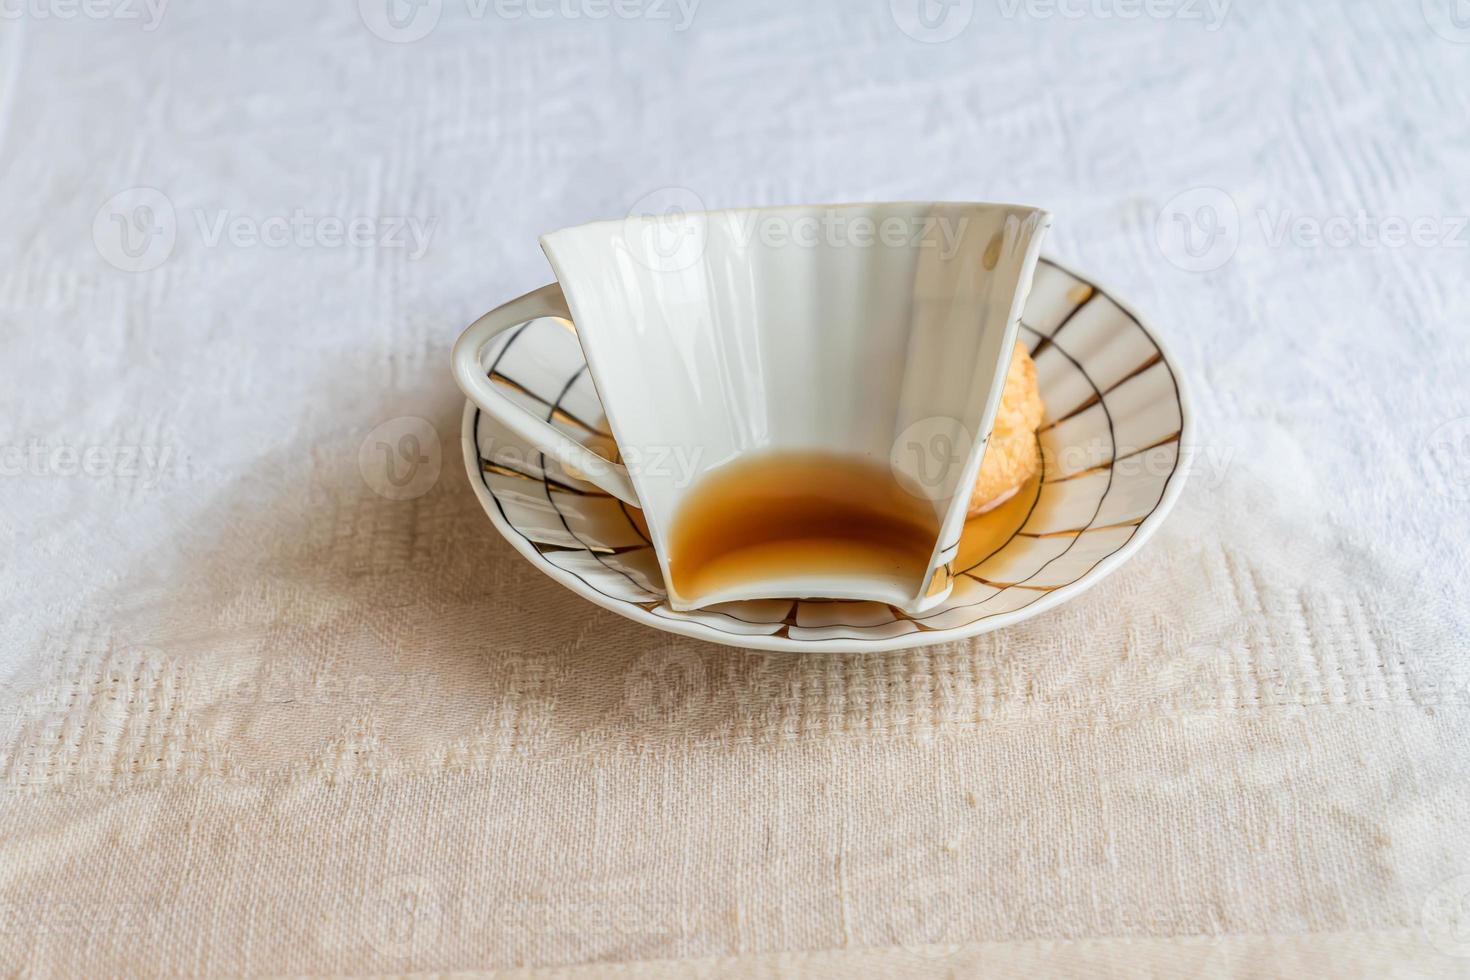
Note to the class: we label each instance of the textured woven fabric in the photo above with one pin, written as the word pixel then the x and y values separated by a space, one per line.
pixel 276 698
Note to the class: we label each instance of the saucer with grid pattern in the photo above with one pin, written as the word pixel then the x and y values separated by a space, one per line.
pixel 1114 442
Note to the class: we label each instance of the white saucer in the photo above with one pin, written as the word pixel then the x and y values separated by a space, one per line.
pixel 1115 442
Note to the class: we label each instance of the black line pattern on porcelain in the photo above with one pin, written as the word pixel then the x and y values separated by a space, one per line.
pixel 556 410
pixel 1174 383
pixel 535 545
pixel 550 498
pixel 1004 587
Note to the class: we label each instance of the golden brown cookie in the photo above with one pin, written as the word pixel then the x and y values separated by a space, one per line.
pixel 1012 457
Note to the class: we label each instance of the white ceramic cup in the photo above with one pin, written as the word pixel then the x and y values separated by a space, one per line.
pixel 881 331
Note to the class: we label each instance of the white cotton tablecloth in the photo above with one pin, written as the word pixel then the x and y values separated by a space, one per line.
pixel 258 714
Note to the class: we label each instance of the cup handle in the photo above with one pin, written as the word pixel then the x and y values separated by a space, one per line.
pixel 471 376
